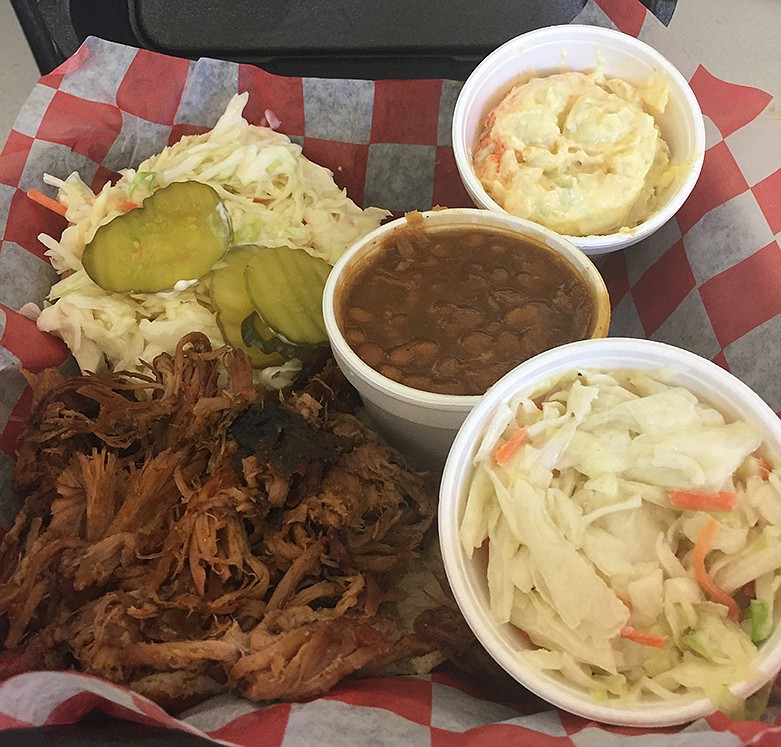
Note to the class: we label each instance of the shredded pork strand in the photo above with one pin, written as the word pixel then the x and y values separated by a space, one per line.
pixel 184 534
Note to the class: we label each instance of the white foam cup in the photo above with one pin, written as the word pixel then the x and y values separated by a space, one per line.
pixel 468 577
pixel 573 47
pixel 421 423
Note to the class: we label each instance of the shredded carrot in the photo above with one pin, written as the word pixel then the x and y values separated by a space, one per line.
pixel 624 601
pixel 707 584
pixel 506 451
pixel 46 201
pixel 128 205
pixel 643 637
pixel 692 501
pixel 764 468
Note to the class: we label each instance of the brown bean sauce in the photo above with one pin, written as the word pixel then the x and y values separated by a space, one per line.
pixel 453 310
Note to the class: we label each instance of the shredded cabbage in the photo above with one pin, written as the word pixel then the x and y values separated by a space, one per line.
pixel 274 196
pixel 589 556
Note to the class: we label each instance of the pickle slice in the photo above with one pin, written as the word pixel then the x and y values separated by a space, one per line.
pixel 286 289
pixel 257 336
pixel 228 291
pixel 178 233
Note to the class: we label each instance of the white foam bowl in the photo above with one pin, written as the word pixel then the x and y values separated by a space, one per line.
pixel 467 576
pixel 422 423
pixel 582 48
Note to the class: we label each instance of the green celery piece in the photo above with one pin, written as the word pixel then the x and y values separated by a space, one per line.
pixel 759 617
pixel 691 641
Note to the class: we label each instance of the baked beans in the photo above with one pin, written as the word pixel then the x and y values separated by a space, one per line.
pixel 454 309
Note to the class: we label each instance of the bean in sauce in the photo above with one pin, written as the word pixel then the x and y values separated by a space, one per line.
pixel 453 310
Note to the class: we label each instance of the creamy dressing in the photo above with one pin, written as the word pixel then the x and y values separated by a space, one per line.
pixel 580 154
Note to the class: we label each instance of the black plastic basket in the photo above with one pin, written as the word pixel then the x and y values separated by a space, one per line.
pixel 319 38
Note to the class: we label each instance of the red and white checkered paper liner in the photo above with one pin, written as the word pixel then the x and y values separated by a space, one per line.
pixel 708 281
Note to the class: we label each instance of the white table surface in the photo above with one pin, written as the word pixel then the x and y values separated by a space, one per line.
pixel 737 40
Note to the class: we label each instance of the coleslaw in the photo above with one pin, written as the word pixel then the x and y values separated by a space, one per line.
pixel 633 535
pixel 274 197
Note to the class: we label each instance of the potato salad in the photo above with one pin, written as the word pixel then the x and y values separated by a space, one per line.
pixel 581 154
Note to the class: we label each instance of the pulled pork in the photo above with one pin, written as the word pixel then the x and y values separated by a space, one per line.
pixel 184 534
